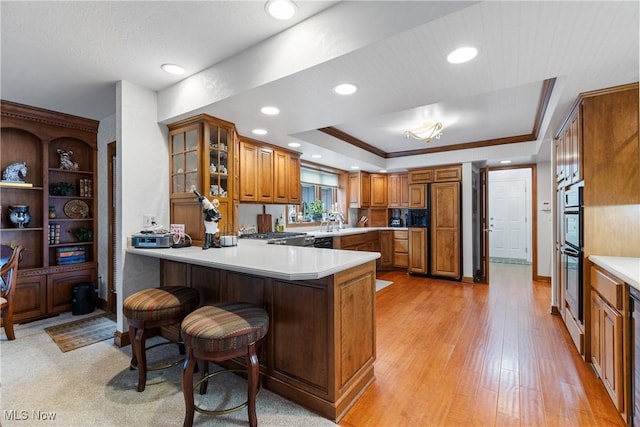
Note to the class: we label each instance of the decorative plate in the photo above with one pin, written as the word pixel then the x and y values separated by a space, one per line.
pixel 76 209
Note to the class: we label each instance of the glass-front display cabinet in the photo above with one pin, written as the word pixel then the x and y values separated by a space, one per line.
pixel 202 158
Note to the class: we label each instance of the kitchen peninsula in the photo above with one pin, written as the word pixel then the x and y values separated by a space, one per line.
pixel 321 344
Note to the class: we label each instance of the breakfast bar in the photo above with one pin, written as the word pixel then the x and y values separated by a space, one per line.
pixel 321 344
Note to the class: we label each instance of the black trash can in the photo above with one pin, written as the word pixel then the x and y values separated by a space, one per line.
pixel 83 298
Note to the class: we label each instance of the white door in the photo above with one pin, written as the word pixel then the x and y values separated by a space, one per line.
pixel 508 219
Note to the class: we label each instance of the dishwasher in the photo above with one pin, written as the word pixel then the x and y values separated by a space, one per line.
pixel 323 242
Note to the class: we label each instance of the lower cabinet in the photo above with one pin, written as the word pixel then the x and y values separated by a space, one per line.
pixel 386 249
pixel 418 250
pixel 608 308
pixel 401 249
pixel 321 345
pixel 43 293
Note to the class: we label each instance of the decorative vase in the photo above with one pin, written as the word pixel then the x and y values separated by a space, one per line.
pixel 52 212
pixel 19 215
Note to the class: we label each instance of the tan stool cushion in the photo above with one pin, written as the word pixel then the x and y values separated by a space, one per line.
pixel 224 326
pixel 167 302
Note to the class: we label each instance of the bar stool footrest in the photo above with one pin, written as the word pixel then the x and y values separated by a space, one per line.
pixel 229 410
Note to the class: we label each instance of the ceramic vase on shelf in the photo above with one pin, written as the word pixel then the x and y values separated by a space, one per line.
pixel 52 212
pixel 19 215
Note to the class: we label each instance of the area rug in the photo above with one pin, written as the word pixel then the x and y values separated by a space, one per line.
pixel 381 284
pixel 79 333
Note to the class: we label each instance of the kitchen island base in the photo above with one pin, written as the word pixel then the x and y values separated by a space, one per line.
pixel 320 348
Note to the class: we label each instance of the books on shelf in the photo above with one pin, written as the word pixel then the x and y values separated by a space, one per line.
pixel 54 234
pixel 86 187
pixel 70 255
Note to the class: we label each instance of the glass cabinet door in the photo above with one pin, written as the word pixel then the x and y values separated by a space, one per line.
pixel 184 161
pixel 218 162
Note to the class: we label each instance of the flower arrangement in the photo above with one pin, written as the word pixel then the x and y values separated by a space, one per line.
pixel 61 189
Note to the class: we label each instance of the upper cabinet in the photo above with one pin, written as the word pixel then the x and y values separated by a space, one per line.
pixel 398 190
pixel 268 174
pixel 203 158
pixel 58 223
pixel 568 149
pixel 367 190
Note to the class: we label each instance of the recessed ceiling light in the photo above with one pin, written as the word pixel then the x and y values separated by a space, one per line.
pixel 505 162
pixel 383 171
pixel 355 167
pixel 172 69
pixel 259 131
pixel 280 9
pixel 294 144
pixel 316 156
pixel 462 54
pixel 345 89
pixel 270 111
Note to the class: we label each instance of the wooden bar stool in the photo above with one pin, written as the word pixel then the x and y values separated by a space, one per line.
pixel 217 333
pixel 151 309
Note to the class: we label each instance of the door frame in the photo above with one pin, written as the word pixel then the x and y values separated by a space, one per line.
pixel 111 276
pixel 484 187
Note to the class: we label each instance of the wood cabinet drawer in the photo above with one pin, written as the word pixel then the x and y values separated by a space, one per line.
pixel 609 287
pixel 401 260
pixel 401 234
pixel 401 245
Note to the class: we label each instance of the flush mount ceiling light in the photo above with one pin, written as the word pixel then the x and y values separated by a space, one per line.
pixel 427 132
pixel 462 54
pixel 173 69
pixel 345 89
pixel 270 111
pixel 280 9
pixel 259 132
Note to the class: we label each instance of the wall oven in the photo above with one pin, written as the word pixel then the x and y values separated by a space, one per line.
pixel 572 250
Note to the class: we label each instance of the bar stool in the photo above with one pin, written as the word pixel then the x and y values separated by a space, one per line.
pixel 220 332
pixel 151 309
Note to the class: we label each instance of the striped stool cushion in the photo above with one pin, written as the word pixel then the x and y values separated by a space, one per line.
pixel 224 326
pixel 168 302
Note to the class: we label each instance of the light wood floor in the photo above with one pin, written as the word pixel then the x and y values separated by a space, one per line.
pixel 460 354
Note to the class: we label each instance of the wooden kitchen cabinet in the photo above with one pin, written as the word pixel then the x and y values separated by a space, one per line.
pixel 445 229
pixel 401 249
pixel 379 191
pixel 359 190
pixel 386 249
pixel 568 149
pixel 609 305
pixel 268 174
pixel 34 136
pixel 203 157
pixel 418 250
pixel 417 196
pixel 398 190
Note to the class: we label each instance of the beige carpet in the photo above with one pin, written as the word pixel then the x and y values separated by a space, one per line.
pixel 78 333
pixel 93 386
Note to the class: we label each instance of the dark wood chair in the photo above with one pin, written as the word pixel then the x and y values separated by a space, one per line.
pixel 216 333
pixel 9 258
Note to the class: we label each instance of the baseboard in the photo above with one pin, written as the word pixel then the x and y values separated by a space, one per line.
pixel 466 279
pixel 121 339
pixel 542 279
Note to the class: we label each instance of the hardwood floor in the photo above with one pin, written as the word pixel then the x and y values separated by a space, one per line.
pixel 453 354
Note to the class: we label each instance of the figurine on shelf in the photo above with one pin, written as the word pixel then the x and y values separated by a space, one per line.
pixel 13 172
pixel 65 160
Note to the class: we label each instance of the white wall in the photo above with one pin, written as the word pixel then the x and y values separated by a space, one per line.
pixel 467 221
pixel 143 183
pixel 106 134
pixel 546 194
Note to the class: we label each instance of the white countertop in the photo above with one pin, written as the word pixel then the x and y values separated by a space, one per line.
pixel 624 268
pixel 261 259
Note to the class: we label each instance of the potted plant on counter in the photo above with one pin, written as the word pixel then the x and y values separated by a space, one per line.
pixel 316 209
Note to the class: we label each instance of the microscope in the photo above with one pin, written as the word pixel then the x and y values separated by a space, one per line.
pixel 211 218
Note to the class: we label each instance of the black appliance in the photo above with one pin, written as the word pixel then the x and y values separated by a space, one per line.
pixel 418 218
pixel 572 250
pixel 323 242
pixel 271 235
pixel 396 218
pixel 83 298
